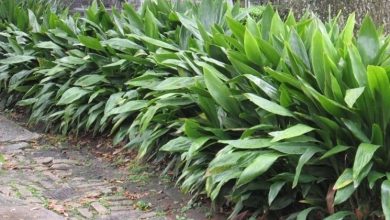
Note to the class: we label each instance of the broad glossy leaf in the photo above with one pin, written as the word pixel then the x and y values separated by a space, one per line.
pixel 344 179
pixel 270 52
pixel 220 92
pixel 356 65
pixel 379 85
pixel 71 95
pixel 179 144
pixel 48 45
pixel 309 153
pixel 352 95
pixel 368 41
pixel 91 42
pixel 305 213
pixel 259 166
pixel 385 198
pixel 89 80
pixel 158 43
pixel 15 59
pixel 172 83
pixel 268 105
pixel 267 88
pixel 347 34
pixel 374 176
pixel 376 135
pixel 33 21
pixel 252 49
pixel 317 59
pixel 335 150
pixel 356 131
pixel 151 29
pixel 343 194
pixel 236 27
pixel 293 148
pixel 129 106
pixel 363 157
pixel 291 132
pixel 274 191
pixel 249 143
pixel 121 44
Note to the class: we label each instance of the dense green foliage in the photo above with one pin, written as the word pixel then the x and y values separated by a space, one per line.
pixel 282 118
pixel 19 12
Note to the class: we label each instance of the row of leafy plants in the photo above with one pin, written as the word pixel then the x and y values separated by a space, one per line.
pixel 280 117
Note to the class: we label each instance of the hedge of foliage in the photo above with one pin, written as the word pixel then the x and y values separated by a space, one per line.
pixel 283 118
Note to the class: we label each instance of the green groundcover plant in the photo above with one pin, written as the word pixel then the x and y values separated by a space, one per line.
pixel 283 118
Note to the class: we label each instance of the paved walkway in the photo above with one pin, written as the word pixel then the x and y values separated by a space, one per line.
pixel 39 181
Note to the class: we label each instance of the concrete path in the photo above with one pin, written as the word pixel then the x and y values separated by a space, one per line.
pixel 11 132
pixel 12 208
pixel 39 180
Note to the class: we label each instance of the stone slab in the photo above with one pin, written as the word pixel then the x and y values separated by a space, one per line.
pixel 11 209
pixel 13 148
pixel 12 132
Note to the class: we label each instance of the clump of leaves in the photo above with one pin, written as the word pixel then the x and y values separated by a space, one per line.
pixel 294 111
pixel 143 205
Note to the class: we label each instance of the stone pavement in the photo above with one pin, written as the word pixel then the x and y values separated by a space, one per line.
pixel 11 132
pixel 39 181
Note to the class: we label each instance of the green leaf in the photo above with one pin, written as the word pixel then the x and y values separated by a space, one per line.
pixel 385 198
pixel 236 27
pixel 374 176
pixel 356 65
pixel 259 166
pixel 294 131
pixel 151 29
pixel 115 65
pixel 356 131
pixel 219 91
pixel 379 85
pixel 129 106
pixel 33 21
pixel 180 144
pixel 15 59
pixel 267 88
pixel 294 148
pixel 249 143
pixel 352 95
pixel 71 95
pixel 270 52
pixel 343 194
pixel 274 191
pixel 376 135
pixel 347 34
pixel 196 145
pixel 121 44
pixel 317 58
pixel 91 42
pixel 304 213
pixel 173 83
pixel 309 153
pixel 368 41
pixel 252 49
pixel 89 80
pixel 158 43
pixel 134 19
pixel 48 45
pixel 268 105
pixel 363 157
pixel 334 150
pixel 344 179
